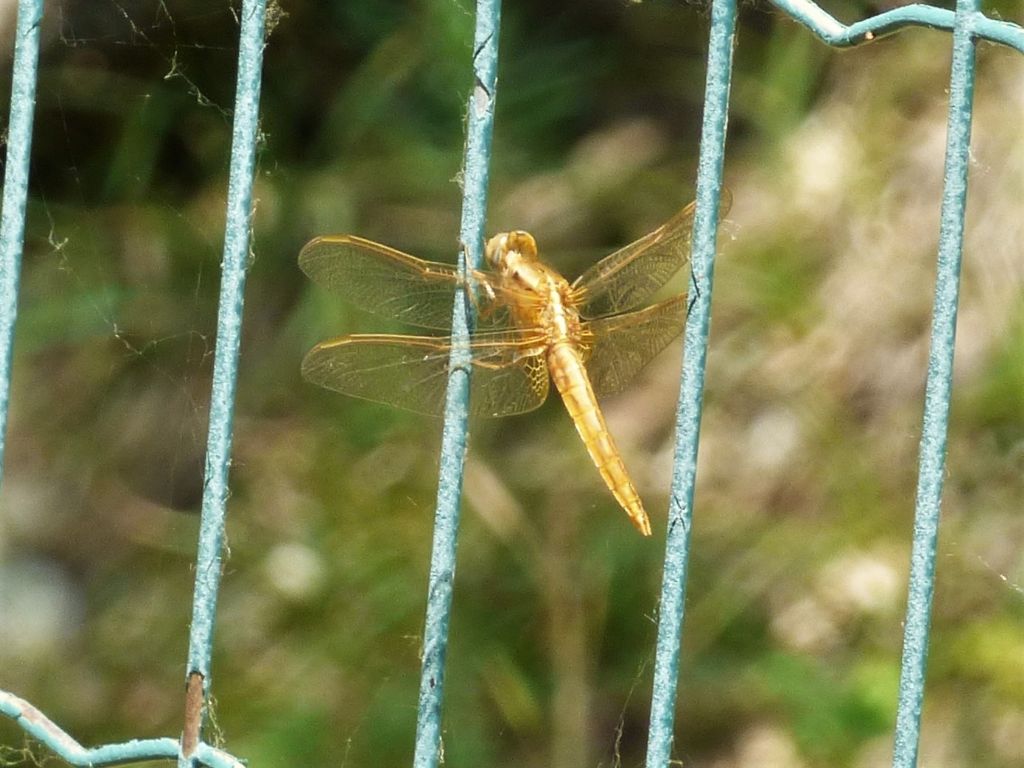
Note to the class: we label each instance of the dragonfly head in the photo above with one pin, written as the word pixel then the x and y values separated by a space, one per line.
pixel 504 251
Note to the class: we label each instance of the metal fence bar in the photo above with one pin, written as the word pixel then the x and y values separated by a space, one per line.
pixel 691 396
pixel 840 35
pixel 225 367
pixel 968 24
pixel 938 389
pixel 12 219
pixel 40 727
pixel 476 166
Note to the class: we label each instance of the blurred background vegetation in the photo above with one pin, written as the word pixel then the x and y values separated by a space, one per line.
pixel 815 380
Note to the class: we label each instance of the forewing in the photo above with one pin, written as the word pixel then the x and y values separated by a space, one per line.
pixel 390 283
pixel 411 372
pixel 627 278
pixel 623 344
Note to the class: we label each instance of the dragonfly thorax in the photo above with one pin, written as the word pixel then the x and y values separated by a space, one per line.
pixel 513 255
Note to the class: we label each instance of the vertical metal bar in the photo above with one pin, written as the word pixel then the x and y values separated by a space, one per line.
pixel 12 220
pixel 680 513
pixel 225 365
pixel 453 440
pixel 938 389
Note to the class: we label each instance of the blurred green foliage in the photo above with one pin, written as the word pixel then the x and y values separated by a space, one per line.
pixel 804 506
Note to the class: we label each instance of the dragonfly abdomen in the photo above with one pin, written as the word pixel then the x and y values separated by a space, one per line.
pixel 570 377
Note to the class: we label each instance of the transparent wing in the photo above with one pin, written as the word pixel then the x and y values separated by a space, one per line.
pixel 623 344
pixel 509 374
pixel 393 284
pixel 631 275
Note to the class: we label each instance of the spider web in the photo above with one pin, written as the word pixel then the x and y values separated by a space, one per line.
pixel 113 234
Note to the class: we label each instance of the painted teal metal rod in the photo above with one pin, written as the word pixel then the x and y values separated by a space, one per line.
pixel 835 33
pixel 938 390
pixel 12 230
pixel 12 219
pixel 225 364
pixel 691 396
pixel 480 124
pixel 41 728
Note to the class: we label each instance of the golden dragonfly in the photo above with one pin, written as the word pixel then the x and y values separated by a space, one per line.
pixel 588 336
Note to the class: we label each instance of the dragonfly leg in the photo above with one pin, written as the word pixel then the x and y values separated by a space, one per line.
pixel 503 361
pixel 481 309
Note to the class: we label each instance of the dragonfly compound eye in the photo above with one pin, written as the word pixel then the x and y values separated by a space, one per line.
pixel 523 243
pixel 496 249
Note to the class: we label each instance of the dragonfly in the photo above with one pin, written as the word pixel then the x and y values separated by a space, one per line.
pixel 532 327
